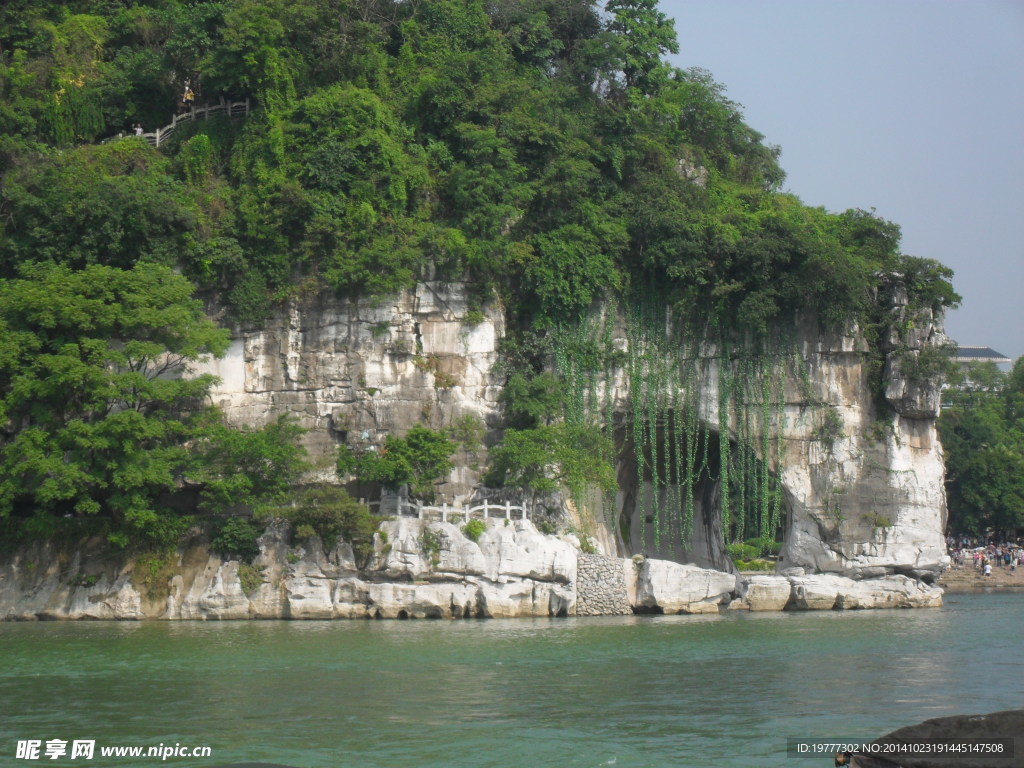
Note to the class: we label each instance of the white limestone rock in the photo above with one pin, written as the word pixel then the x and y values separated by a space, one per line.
pixel 520 550
pixel 524 598
pixel 118 600
pixel 308 598
pixel 516 550
pixel 513 571
pixel 889 592
pixel 353 370
pixel 825 592
pixel 217 594
pixel 816 593
pixel 414 601
pixel 869 504
pixel 764 593
pixel 666 587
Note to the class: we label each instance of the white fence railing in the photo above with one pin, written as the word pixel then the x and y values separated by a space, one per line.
pixel 448 513
pixel 228 108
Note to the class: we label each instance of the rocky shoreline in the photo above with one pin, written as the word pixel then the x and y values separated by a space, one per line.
pixel 419 569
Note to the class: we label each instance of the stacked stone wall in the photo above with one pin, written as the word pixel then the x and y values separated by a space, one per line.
pixel 601 587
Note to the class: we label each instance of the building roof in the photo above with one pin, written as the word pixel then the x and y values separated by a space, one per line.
pixel 980 355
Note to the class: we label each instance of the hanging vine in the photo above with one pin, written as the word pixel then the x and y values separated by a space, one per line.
pixel 695 414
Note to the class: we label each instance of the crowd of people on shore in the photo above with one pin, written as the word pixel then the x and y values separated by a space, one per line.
pixel 983 556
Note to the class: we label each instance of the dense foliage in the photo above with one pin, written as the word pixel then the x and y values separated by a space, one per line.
pixel 982 430
pixel 543 149
pixel 100 421
pixel 419 460
pixel 546 458
pixel 329 512
pixel 539 454
pixel 237 537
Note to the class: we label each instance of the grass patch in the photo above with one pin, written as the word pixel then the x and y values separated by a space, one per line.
pixel 474 529
pixel 250 577
pixel 755 565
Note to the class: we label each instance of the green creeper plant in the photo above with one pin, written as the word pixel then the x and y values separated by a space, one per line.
pixel 420 460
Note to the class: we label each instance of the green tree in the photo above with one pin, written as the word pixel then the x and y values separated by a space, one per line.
pixel 547 457
pixel 983 439
pixel 104 420
pixel 525 145
pixel 329 512
pixel 363 182
pixel 531 402
pixel 245 466
pixel 420 460
pixel 72 109
pixel 646 34
pixel 538 149
pixel 237 536
pixel 253 55
pixel 115 204
pixel 92 388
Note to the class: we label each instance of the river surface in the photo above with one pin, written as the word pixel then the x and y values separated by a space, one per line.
pixel 635 691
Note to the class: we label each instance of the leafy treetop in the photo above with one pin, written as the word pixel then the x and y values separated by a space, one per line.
pixel 543 148
pixel 101 418
pixel 982 434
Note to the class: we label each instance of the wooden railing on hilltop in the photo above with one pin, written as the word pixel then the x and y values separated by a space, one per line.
pixel 227 108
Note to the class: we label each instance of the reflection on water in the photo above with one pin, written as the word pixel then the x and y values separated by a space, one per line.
pixel 634 691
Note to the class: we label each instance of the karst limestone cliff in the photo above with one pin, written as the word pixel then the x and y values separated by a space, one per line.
pixel 863 503
pixel 865 500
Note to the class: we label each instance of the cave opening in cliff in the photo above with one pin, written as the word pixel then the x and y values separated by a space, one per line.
pixel 675 500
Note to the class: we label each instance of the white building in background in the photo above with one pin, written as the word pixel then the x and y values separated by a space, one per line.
pixel 965 356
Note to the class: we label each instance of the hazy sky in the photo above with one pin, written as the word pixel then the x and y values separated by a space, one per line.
pixel 912 107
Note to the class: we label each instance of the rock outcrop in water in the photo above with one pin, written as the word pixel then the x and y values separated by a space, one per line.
pixel 995 740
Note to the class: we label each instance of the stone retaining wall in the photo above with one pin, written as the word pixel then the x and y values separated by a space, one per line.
pixel 601 586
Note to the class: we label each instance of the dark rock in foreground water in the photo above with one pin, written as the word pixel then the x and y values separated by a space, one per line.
pixel 969 741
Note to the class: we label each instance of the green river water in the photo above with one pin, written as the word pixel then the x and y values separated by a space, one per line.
pixel 637 691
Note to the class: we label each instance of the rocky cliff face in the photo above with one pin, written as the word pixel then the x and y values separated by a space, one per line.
pixel 871 501
pixel 863 499
pixel 355 371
